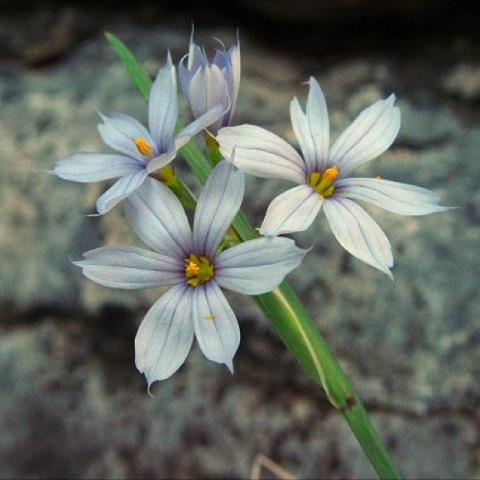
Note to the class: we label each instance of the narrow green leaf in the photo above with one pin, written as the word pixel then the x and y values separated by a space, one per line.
pixel 138 74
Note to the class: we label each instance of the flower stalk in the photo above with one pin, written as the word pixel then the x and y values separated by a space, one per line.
pixel 282 307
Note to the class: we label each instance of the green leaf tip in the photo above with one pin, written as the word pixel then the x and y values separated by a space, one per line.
pixel 140 77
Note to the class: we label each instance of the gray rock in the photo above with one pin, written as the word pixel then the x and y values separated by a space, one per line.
pixel 463 81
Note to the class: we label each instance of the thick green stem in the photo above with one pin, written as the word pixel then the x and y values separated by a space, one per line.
pixel 282 307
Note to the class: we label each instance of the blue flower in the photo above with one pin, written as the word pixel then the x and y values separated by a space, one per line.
pixel 189 262
pixel 323 175
pixel 141 151
pixel 207 84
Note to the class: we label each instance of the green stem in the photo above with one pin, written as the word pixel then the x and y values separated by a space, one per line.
pixel 213 150
pixel 282 307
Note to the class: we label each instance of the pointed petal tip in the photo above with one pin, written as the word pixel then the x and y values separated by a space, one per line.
pixel 149 390
pixel 229 365
pixel 267 233
pixel 192 33
pixel 391 99
pixel 390 276
pixel 77 263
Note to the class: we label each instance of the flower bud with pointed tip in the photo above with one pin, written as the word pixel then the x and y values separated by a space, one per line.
pixel 207 84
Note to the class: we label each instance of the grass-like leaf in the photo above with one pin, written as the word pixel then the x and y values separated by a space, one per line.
pixel 140 77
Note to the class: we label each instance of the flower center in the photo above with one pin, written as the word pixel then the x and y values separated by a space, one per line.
pixel 198 270
pixel 143 147
pixel 324 183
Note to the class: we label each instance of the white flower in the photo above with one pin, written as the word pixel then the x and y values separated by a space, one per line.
pixel 323 175
pixel 207 84
pixel 188 260
pixel 141 151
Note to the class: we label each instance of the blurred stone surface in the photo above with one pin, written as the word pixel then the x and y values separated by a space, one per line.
pixel 73 404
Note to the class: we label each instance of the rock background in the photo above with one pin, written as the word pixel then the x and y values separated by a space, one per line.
pixel 73 405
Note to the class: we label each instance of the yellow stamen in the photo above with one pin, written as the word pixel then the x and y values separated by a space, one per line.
pixel 324 183
pixel 210 317
pixel 192 269
pixel 330 174
pixel 198 270
pixel 143 147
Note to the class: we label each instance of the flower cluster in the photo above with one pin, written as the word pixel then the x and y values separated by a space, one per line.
pixel 196 262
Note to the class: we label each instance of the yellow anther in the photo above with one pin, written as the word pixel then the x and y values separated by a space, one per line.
pixel 143 147
pixel 192 269
pixel 330 174
pixel 324 183
pixel 314 178
pixel 210 317
pixel 378 177
pixel 198 270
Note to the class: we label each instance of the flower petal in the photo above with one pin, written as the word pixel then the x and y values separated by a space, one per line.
pixel 163 105
pixel 392 196
pixel 369 135
pixel 358 233
pixel 217 206
pixel 119 132
pixel 216 326
pixel 165 335
pixel 201 123
pixel 196 91
pixel 130 267
pixel 162 160
pixel 292 211
pixel 312 129
pixel 261 153
pixel 302 132
pixel 257 266
pixel 94 167
pixel 319 126
pixel 159 219
pixel 121 189
pixel 234 52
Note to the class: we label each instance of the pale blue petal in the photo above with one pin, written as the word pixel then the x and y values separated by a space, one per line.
pixel 292 211
pixel 217 206
pixel 196 56
pixel 257 266
pixel 120 190
pixel 158 218
pixel 358 233
pixel 196 59
pixel 216 326
pixel 218 93
pixel 162 160
pixel 201 123
pixel 196 91
pixel 130 267
pixel 318 123
pixel 120 131
pixel 163 105
pixel 261 153
pixel 165 335
pixel 369 135
pixel 312 128
pixel 395 197
pixel 94 167
pixel 234 77
pixel 302 132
